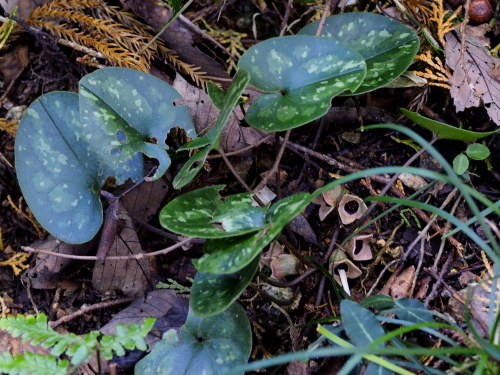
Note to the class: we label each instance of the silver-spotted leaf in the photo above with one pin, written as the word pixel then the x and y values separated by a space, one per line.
pixel 123 110
pixel 208 346
pixel 299 75
pixel 212 293
pixel 203 213
pixel 229 255
pixel 57 170
pixel 387 46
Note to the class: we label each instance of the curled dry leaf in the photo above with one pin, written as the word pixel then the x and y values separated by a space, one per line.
pixel 477 81
pixel 285 265
pixel 359 247
pixel 412 181
pixel 49 270
pixel 351 208
pixel 402 285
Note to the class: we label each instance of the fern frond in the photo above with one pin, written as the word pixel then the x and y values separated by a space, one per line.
pixel 130 337
pixel 37 331
pixel 33 364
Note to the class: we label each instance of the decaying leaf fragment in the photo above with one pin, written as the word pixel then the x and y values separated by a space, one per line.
pixel 474 80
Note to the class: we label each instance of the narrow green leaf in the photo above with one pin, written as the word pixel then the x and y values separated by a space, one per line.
pixel 413 311
pixel 445 131
pixel 211 139
pixel 360 324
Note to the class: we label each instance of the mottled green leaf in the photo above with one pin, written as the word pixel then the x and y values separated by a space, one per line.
pixel 203 213
pixel 122 110
pixel 56 170
pixel 387 46
pixel 212 293
pixel 299 75
pixel 208 346
pixel 229 255
pixel 460 164
pixel 226 102
pixel 62 161
pixel 360 324
pixel 445 131
pixel 477 151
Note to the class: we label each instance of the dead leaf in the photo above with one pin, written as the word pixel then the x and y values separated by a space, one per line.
pixel 48 271
pixel 128 276
pixel 204 114
pixel 475 83
pixel 402 285
pixel 25 7
pixel 145 201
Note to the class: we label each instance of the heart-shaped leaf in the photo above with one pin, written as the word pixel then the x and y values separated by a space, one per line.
pixel 229 255
pixel 122 110
pixel 211 293
pixel 445 131
pixel 299 75
pixel 387 46
pixel 202 213
pixel 56 170
pixel 61 161
pixel 207 346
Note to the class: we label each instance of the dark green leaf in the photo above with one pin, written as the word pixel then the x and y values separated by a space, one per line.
pixel 387 46
pixel 208 346
pixel 123 109
pixel 460 164
pixel 413 311
pixel 378 302
pixel 360 324
pixel 57 170
pixel 202 213
pixel 477 151
pixel 228 255
pixel 445 131
pixel 211 139
pixel 299 75
pixel 212 293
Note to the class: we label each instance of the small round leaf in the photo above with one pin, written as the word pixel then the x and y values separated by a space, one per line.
pixel 477 151
pixel 460 164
